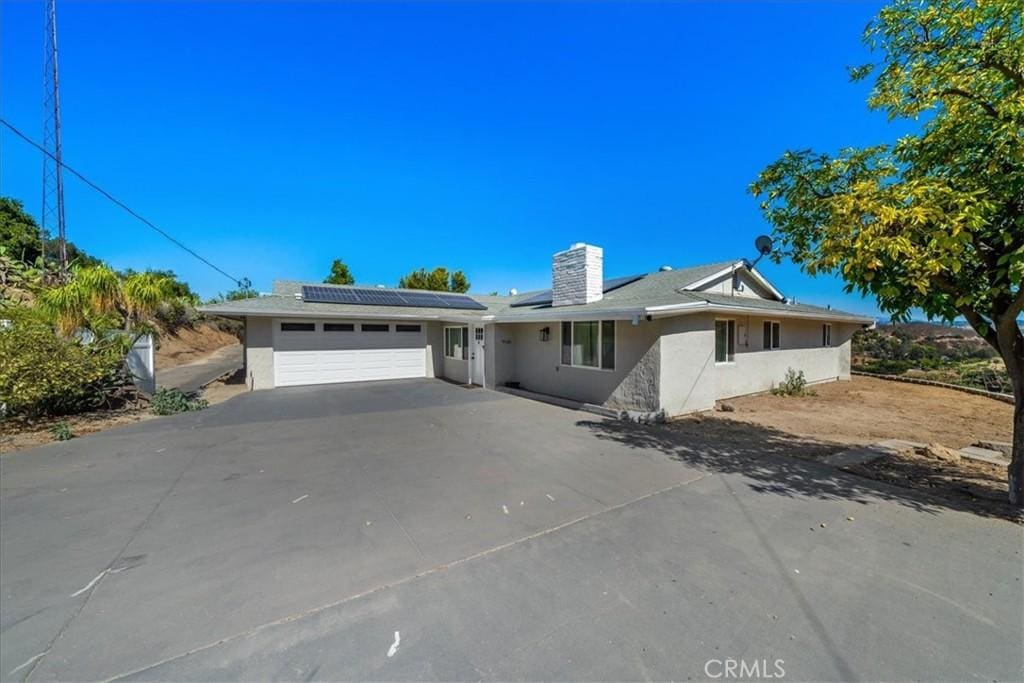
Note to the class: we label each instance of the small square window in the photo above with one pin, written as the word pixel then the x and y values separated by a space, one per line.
pixel 375 327
pixel 339 327
pixel 298 327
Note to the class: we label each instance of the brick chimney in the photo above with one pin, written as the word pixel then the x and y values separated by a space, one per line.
pixel 577 275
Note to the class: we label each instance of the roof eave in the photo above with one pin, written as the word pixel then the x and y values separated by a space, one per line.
pixel 708 307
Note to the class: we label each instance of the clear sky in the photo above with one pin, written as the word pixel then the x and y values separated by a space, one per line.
pixel 275 137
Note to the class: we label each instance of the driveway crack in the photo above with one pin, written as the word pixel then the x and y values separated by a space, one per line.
pixel 91 587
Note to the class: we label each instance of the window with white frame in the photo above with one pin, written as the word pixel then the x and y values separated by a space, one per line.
pixel 589 344
pixel 772 337
pixel 456 342
pixel 725 341
pixel 826 334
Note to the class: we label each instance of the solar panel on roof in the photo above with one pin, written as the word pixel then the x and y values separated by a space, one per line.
pixel 423 299
pixel 460 301
pixel 541 298
pixel 330 295
pixel 387 297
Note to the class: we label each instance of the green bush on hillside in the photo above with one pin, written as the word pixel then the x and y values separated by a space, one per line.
pixel 173 401
pixel 43 373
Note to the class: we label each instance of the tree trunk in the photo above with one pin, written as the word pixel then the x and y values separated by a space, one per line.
pixel 1015 470
pixel 1012 346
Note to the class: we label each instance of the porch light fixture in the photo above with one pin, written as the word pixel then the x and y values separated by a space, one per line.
pixel 545 334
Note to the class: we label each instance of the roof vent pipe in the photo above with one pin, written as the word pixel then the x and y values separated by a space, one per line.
pixel 513 292
pixel 298 296
pixel 664 269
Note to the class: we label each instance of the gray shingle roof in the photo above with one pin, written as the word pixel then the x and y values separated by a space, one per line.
pixel 662 288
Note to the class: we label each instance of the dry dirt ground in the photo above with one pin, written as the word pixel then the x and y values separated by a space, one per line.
pixel 16 436
pixel 190 344
pixel 224 388
pixel 867 410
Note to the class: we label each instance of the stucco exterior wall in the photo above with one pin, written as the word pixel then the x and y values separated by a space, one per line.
pixel 259 353
pixel 499 347
pixel 632 384
pixel 435 349
pixel 687 364
pixel 758 369
pixel 455 369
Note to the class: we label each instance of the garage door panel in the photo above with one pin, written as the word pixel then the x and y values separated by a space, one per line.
pixel 326 357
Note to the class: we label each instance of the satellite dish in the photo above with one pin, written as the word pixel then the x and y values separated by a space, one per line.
pixel 763 244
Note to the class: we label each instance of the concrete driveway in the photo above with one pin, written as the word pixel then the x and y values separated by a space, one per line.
pixel 195 375
pixel 419 530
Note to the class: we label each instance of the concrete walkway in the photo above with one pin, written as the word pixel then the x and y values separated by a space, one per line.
pixel 193 376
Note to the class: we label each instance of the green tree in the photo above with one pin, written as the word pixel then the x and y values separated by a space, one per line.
pixel 935 221
pixel 19 233
pixel 340 274
pixel 98 298
pixel 437 280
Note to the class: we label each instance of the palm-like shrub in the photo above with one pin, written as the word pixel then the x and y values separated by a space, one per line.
pixel 96 296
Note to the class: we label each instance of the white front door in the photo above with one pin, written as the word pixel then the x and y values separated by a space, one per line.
pixel 476 355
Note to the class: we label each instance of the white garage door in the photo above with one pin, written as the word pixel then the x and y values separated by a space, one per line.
pixel 344 351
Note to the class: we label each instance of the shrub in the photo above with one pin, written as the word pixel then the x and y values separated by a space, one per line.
pixel 795 384
pixel 43 373
pixel 172 401
pixel 174 314
pixel 62 431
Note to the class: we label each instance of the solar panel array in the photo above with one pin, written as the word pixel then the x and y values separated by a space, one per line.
pixel 545 297
pixel 388 297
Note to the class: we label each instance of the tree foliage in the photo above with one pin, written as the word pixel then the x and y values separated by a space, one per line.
pixel 19 233
pixel 438 280
pixel 99 299
pixel 936 220
pixel 340 274
pixel 44 373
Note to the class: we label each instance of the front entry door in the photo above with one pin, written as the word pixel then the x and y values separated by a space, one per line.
pixel 476 355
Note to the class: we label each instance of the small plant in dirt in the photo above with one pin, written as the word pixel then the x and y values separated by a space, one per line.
pixel 62 431
pixel 172 401
pixel 795 384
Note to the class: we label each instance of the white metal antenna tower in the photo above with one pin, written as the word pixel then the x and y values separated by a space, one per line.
pixel 53 171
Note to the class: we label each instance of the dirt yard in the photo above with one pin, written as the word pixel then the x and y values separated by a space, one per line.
pixel 190 344
pixel 16 436
pixel 865 410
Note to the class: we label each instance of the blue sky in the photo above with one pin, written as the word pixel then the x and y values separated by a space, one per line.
pixel 274 137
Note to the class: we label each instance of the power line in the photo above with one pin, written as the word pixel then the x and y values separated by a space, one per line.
pixel 241 282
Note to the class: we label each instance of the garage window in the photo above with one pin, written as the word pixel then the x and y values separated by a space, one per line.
pixel 298 327
pixel 339 327
pixel 456 342
pixel 375 327
pixel 407 328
